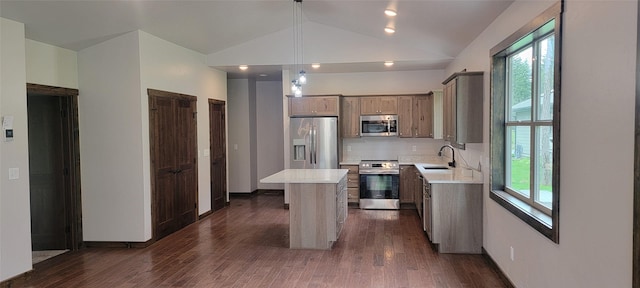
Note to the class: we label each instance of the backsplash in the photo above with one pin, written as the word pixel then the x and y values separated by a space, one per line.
pixel 389 148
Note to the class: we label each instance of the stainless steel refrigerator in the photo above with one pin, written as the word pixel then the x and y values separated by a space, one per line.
pixel 314 143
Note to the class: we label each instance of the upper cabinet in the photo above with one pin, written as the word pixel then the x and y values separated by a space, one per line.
pixel 415 116
pixel 314 106
pixel 350 117
pixel 462 108
pixel 379 105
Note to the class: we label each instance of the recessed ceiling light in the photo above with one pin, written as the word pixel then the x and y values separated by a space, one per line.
pixel 243 67
pixel 390 12
pixel 263 75
pixel 315 65
pixel 388 63
pixel 389 30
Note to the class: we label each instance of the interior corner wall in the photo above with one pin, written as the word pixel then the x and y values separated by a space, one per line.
pixel 51 65
pixel 239 157
pixel 270 134
pixel 111 141
pixel 596 176
pixel 15 224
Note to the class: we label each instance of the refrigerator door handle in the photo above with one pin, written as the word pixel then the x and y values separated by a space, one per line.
pixel 311 146
pixel 315 145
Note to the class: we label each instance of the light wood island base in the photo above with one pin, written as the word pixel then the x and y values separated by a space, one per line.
pixel 317 205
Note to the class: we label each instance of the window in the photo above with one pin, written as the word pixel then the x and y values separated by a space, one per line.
pixel 525 105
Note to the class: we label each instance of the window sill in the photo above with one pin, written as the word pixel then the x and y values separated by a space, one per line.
pixel 535 218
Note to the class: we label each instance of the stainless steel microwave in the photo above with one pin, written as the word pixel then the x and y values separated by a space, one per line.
pixel 379 125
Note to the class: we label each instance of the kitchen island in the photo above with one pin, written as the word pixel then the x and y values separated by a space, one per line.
pixel 317 205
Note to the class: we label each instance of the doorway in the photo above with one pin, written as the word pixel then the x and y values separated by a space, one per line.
pixel 217 142
pixel 174 151
pixel 54 170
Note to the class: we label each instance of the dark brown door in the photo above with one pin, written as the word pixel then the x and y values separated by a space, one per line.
pixel 218 154
pixel 47 178
pixel 173 161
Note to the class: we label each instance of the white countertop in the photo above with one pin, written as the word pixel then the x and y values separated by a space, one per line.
pixel 331 176
pixel 449 176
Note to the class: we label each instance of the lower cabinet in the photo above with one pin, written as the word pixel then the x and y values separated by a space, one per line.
pixel 456 217
pixel 407 183
pixel 353 183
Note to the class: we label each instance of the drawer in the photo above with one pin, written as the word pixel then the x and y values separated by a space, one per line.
pixel 353 169
pixel 353 181
pixel 354 193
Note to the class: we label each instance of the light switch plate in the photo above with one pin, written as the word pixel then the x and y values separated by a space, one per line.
pixel 14 173
pixel 206 152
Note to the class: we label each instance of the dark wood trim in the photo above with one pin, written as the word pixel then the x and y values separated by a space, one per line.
pixel 108 244
pixel 497 119
pixel 20 278
pixel 160 93
pixel 205 215
pixel 50 90
pixel 454 75
pixel 636 171
pixel 507 282
pixel 244 195
pixel 543 18
pixel 256 193
pixel 75 213
pixel 497 129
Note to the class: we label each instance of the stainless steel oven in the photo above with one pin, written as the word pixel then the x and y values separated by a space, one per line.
pixel 379 185
pixel 379 125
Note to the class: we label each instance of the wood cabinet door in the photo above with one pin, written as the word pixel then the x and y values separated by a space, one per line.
pixel 324 106
pixel 368 106
pixel 423 116
pixel 379 105
pixel 388 105
pixel 405 116
pixel 407 176
pixel 350 117
pixel 313 106
pixel 299 106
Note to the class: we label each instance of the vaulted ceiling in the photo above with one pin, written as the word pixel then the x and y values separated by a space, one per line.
pixel 343 35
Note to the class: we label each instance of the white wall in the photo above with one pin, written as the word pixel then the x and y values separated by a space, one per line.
pixel 375 83
pixel 598 94
pixel 269 132
pixel 15 224
pixel 51 65
pixel 111 135
pixel 169 67
pixel 241 98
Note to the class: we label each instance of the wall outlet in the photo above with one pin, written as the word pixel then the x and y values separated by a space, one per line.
pixel 235 146
pixel 413 148
pixel 511 254
pixel 348 148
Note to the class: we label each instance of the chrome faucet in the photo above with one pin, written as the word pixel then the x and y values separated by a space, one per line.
pixel 453 155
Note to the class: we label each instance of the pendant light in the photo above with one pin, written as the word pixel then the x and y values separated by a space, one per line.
pixel 298 59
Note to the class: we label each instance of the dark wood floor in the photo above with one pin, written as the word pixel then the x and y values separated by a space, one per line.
pixel 245 245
